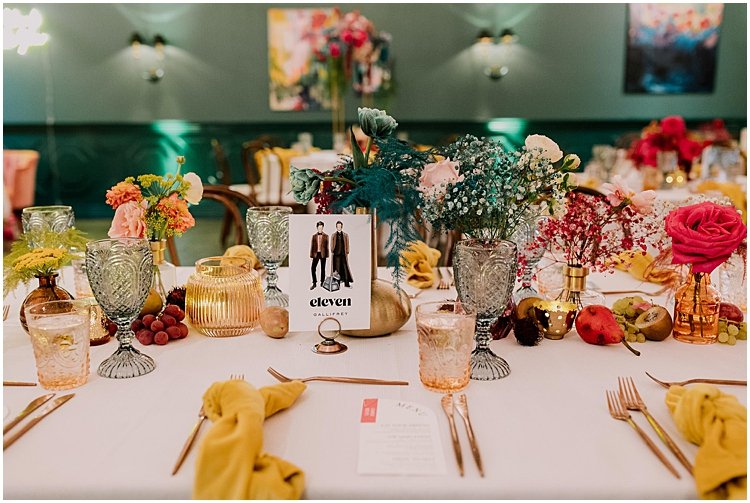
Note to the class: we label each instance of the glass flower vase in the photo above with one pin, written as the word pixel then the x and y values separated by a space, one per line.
pixel 46 291
pixel 696 310
pixel 165 273
pixel 574 288
pixel 485 273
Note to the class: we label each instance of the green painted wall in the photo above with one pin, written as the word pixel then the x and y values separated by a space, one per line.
pixel 569 65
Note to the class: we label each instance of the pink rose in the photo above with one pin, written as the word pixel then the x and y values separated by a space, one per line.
pixel 129 221
pixel 435 176
pixel 704 235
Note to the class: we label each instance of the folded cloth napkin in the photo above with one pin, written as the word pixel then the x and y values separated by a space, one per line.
pixel 418 260
pixel 639 265
pixel 245 252
pixel 733 191
pixel 717 423
pixel 231 463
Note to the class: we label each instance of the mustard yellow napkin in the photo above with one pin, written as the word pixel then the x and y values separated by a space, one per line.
pixel 285 156
pixel 640 267
pixel 231 463
pixel 731 190
pixel 418 260
pixel 717 423
pixel 246 252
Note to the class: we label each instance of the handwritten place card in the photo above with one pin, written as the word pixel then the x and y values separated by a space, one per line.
pixel 399 438
pixel 329 270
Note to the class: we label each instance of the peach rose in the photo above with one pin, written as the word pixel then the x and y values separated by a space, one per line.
pixel 435 176
pixel 129 221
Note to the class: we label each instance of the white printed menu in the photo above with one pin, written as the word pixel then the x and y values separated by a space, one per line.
pixel 399 438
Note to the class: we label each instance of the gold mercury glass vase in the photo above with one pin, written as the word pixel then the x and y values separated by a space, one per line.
pixel 224 297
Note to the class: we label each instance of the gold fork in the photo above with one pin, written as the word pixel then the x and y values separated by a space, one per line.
pixel 442 285
pixel 618 411
pixel 728 382
pixel 632 400
pixel 194 432
pixel 6 310
pixel 352 380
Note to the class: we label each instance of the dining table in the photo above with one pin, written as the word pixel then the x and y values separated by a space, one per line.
pixel 544 432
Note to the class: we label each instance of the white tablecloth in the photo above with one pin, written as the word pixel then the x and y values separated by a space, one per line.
pixel 544 431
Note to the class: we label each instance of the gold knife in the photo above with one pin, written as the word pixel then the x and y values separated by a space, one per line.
pixel 31 407
pixel 463 410
pixel 447 402
pixel 57 402
pixel 18 383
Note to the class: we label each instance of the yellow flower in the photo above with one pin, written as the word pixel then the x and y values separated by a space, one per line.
pixel 39 261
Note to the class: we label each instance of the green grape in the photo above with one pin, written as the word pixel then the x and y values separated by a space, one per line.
pixel 733 330
pixel 722 325
pixel 619 306
pixel 630 311
pixel 743 332
pixel 723 337
pixel 632 329
pixel 732 340
pixel 641 338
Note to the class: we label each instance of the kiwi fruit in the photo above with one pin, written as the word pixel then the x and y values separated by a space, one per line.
pixel 655 323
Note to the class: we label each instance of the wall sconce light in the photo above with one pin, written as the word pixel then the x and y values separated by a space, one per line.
pixel 152 55
pixel 22 31
pixel 494 52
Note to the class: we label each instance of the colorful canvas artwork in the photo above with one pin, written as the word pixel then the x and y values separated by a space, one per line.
pixel 292 35
pixel 671 48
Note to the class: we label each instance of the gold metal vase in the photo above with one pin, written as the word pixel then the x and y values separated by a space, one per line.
pixel 390 307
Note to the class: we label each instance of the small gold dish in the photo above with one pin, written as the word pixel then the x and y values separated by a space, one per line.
pixel 554 317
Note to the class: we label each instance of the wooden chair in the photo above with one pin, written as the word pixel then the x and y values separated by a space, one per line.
pixel 227 198
pixel 250 149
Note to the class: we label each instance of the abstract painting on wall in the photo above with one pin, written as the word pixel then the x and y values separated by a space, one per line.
pixel 671 48
pixel 292 36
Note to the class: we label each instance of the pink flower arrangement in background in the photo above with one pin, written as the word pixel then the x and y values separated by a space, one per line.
pixel 156 207
pixel 671 134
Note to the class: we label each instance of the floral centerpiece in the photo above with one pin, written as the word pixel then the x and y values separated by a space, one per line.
pixel 155 207
pixel 350 50
pixel 704 236
pixel 476 187
pixel 43 264
pixel 593 231
pixel 668 135
pixel 386 182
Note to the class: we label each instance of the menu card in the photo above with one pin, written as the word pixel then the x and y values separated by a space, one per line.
pixel 330 270
pixel 399 438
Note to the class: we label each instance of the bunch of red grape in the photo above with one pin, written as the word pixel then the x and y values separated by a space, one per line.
pixel 168 325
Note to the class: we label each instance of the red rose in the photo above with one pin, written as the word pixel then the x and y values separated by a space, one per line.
pixel 704 235
pixel 689 149
pixel 347 37
pixel 360 37
pixel 673 125
pixel 334 50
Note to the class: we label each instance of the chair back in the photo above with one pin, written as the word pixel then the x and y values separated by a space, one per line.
pixel 223 172
pixel 227 198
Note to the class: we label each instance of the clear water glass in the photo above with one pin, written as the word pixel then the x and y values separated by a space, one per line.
pixel 527 233
pixel 485 273
pixel 59 332
pixel 445 332
pixel 46 218
pixel 268 233
pixel 120 272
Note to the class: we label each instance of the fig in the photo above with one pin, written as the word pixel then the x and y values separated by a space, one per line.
pixel 731 312
pixel 274 321
pixel 524 306
pixel 502 326
pixel 655 323
pixel 597 325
